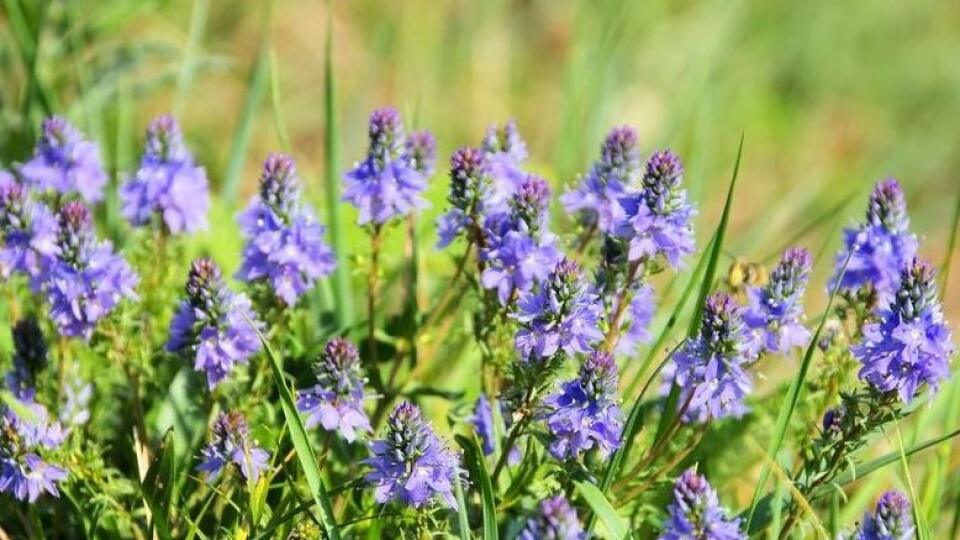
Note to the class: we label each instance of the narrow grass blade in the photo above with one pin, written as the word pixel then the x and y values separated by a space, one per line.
pixel 463 520
pixel 793 396
pixel 198 24
pixel 602 508
pixel 343 299
pixel 301 443
pixel 159 485
pixel 474 456
pixel 951 246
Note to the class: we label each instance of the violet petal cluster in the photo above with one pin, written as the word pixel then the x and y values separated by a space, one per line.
pixel 87 280
pixel 555 520
pixel 879 247
pixel 695 513
pixel 709 368
pixel 637 320
pixel 891 520
pixel 518 249
pixel 597 198
pixel 24 473
pixel 336 401
pixel 505 154
pixel 774 313
pixel 388 183
pixel 285 246
pixel 909 346
pixel 657 218
pixel 410 465
pixel 469 183
pixel 564 315
pixel 168 184
pixel 213 324
pixel 482 422
pixel 28 232
pixel 230 443
pixel 65 162
pixel 585 415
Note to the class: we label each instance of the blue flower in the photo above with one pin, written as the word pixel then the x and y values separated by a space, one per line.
pixel 637 320
pixel 24 473
pixel 657 218
pixel 87 280
pixel 65 162
pixel 909 346
pixel 285 244
pixel 696 514
pixel 168 183
pixel 775 312
pixel 879 247
pixel 584 415
pixel 28 233
pixel 336 401
pixel 410 464
pixel 389 181
pixel 482 421
pixel 505 153
pixel 564 315
pixel 469 182
pixel 230 443
pixel 609 180
pixel 213 324
pixel 709 367
pixel 892 520
pixel 555 520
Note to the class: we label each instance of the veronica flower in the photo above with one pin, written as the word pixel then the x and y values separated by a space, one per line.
pixel 482 421
pixel 563 315
pixel 879 247
pixel 389 181
pixel 469 182
pixel 637 320
pixel 28 233
pixel 657 218
pixel 597 198
pixel 505 152
pixel 24 473
pixel 909 345
pixel 555 520
pixel 29 359
pixel 87 280
pixel 892 520
pixel 230 443
pixel 410 464
pixel 168 183
pixel 285 246
pixel 336 401
pixel 774 312
pixel 709 367
pixel 584 415
pixel 518 249
pixel 422 152
pixel 696 514
pixel 213 324
pixel 65 162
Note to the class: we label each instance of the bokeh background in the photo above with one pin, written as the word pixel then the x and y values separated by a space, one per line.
pixel 829 97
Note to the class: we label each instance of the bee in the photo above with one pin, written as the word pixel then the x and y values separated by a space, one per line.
pixel 744 274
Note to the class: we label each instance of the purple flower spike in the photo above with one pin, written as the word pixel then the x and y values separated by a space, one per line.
pixel 505 152
pixel 24 474
pixel 213 324
pixel 709 367
pixel 616 172
pixel 469 182
pixel 892 520
pixel 564 315
pixel 88 279
pixel 285 246
pixel 229 444
pixel 28 233
pixel 410 464
pixel 638 317
pixel 656 219
pixel 555 520
pixel 65 162
pixel 389 181
pixel 422 150
pixel 482 421
pixel 584 415
pixel 696 514
pixel 336 402
pixel 168 183
pixel 879 247
pixel 910 345
pixel 775 312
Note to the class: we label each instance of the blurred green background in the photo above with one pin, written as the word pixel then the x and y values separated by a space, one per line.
pixel 829 96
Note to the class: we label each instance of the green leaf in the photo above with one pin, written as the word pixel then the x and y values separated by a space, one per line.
pixel 159 484
pixel 478 466
pixel 301 443
pixel 463 520
pixel 602 507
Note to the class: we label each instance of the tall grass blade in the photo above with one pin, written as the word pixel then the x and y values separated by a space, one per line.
pixel 198 25
pixel 602 507
pixel 159 485
pixel 474 456
pixel 463 519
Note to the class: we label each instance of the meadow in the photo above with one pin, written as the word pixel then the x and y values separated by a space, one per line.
pixel 529 269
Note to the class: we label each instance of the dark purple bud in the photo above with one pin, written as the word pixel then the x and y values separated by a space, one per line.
pixel 505 139
pixel 279 184
pixel 662 180
pixel 422 149
pixel 620 154
pixel 386 136
pixel 165 141
pixel 887 207
pixel 75 232
pixel 468 178
pixel 598 376
pixel 722 327
pixel 918 289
